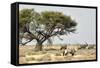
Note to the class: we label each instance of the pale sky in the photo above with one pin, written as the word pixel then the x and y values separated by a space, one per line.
pixel 85 17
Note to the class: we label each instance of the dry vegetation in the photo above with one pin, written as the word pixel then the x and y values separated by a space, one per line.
pixel 54 53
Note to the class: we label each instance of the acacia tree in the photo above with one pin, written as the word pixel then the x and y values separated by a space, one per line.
pixel 42 26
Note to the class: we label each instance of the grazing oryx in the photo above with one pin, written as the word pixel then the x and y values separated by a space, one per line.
pixel 69 51
pixel 83 46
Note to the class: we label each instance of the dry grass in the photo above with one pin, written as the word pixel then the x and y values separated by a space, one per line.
pixel 54 54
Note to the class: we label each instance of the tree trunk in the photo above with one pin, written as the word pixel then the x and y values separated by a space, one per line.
pixel 38 46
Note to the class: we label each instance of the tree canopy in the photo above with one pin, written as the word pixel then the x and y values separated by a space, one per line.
pixel 42 26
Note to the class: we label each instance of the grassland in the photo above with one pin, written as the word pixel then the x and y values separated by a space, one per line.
pixel 54 54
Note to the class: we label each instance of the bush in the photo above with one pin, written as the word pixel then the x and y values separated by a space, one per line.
pixel 57 54
pixel 30 59
pixel 45 58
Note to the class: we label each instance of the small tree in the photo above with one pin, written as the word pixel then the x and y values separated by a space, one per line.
pixel 42 26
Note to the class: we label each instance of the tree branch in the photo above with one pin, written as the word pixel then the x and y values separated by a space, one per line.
pixel 27 42
pixel 32 35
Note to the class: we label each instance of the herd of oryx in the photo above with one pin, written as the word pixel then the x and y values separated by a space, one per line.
pixel 66 50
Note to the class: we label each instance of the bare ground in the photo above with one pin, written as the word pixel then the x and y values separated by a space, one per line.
pixel 53 54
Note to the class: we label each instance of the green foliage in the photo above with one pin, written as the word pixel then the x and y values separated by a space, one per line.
pixel 25 16
pixel 53 18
